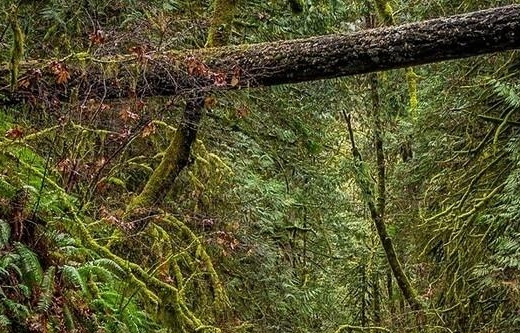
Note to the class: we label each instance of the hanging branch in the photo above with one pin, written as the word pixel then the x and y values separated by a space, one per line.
pixel 177 155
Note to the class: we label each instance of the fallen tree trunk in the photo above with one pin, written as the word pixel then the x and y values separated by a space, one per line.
pixel 177 72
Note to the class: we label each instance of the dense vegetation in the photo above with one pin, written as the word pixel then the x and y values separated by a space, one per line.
pixel 386 202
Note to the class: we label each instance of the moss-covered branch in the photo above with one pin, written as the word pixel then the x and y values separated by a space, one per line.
pixel 17 49
pixel 177 155
pixel 177 72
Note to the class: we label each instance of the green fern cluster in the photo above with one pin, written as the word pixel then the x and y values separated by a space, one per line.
pixel 88 296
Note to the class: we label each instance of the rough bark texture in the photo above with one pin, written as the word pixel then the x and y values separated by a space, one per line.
pixel 176 157
pixel 173 73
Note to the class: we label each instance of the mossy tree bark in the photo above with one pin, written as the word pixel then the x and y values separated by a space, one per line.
pixel 178 72
pixel 175 159
pixel 177 155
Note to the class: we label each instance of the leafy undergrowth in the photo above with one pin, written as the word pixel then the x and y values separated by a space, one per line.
pixel 49 281
pixel 65 269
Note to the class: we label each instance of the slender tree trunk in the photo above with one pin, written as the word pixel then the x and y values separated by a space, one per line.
pixel 177 72
pixel 390 292
pixel 363 318
pixel 378 212
pixel 367 187
pixel 401 279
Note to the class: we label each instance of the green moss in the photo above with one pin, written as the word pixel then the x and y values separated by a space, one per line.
pixel 411 79
pixel 385 12
pixel 156 188
pixel 221 24
pixel 17 49
pixel 221 301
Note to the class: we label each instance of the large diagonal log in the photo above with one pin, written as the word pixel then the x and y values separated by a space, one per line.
pixel 176 72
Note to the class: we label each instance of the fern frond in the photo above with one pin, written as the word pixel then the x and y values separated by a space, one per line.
pixel 507 92
pixel 111 299
pixel 73 276
pixel 5 234
pixel 4 322
pixel 60 239
pixel 17 310
pixel 101 305
pixel 110 265
pixel 132 321
pixel 7 259
pixel 101 273
pixel 74 251
pixel 24 290
pixel 30 264
pixel 54 14
pixel 47 289
pixel 68 319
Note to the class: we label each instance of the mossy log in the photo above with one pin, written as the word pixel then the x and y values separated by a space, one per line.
pixel 178 72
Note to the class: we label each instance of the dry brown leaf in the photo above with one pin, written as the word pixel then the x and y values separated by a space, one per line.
pixel 14 133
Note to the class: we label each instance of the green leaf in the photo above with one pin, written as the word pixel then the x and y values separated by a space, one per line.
pixel 31 268
pixel 5 233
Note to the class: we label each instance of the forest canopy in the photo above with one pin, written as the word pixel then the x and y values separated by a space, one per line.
pixel 259 166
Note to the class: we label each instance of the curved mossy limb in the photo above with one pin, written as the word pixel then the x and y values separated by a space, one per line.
pixel 221 301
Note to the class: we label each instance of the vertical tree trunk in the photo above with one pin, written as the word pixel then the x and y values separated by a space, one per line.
pixel 390 292
pixel 363 318
pixel 377 213
pixel 374 204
